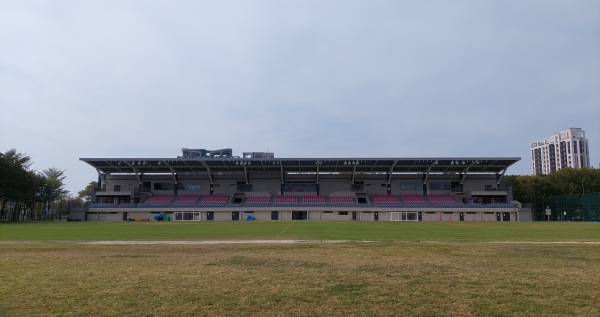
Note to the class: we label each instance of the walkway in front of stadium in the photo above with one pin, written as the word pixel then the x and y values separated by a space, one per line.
pixel 208 242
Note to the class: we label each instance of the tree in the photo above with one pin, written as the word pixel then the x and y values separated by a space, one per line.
pixel 53 189
pixel 26 194
pixel 87 191
pixel 17 184
pixel 567 181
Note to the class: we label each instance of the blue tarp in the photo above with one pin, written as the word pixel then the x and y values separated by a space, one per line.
pixel 250 217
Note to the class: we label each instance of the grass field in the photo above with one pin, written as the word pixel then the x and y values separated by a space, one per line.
pixel 409 269
pixel 307 230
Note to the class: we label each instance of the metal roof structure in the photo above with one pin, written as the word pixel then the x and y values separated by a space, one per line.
pixel 457 165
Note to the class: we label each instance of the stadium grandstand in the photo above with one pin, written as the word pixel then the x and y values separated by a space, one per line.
pixel 203 185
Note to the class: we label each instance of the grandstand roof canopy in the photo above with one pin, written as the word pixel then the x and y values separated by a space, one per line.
pixel 491 165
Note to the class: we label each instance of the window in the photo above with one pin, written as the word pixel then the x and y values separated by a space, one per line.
pixel 448 212
pixel 300 187
pixel 439 186
pixel 411 186
pixel 163 186
pixel 189 186
pixel 342 213
pixel 117 188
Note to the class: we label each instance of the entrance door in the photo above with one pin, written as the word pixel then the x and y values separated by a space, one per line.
pixel 462 216
pixel 354 216
pixel 299 215
pixel 498 216
pixel 274 215
pixel 376 215
pixel 420 216
pixel 235 215
pixel 505 216
pixel 210 215
pixel 125 216
pixel 411 216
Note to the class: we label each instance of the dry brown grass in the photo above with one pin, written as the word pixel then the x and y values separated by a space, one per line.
pixel 348 279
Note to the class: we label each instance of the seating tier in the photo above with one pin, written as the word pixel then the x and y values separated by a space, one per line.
pixel 314 200
pixel 286 200
pixel 215 200
pixel 386 200
pixel 158 200
pixel 442 200
pixel 342 201
pixel 185 200
pixel 258 201
pixel 414 200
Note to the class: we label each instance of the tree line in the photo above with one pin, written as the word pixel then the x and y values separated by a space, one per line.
pixel 27 195
pixel 567 181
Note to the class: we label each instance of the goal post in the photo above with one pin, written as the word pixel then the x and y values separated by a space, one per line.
pixel 187 216
pixel 404 216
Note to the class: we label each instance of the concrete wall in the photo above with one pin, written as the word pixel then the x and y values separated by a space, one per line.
pixel 481 215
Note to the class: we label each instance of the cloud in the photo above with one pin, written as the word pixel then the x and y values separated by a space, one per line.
pixel 301 78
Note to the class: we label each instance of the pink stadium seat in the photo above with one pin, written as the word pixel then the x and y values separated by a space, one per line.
pixel 258 201
pixel 314 200
pixel 286 200
pixel 442 200
pixel 415 200
pixel 215 200
pixel 342 201
pixel 385 200
pixel 158 200
pixel 185 200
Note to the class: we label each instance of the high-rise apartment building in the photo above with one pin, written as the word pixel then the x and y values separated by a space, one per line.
pixel 567 148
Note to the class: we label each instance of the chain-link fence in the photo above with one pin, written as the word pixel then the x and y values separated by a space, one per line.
pixel 583 207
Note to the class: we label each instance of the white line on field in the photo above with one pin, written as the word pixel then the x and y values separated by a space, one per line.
pixel 282 231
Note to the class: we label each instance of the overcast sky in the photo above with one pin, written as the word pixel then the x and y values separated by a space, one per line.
pixel 128 79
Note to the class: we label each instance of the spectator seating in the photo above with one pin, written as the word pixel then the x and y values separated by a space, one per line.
pixel 414 200
pixel 342 201
pixel 185 200
pixel 314 200
pixel 258 201
pixel 216 200
pixel 490 205
pixel 384 200
pixel 286 200
pixel 102 205
pixel 158 201
pixel 500 205
pixel 443 201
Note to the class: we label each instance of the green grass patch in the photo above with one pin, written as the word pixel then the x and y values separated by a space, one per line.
pixel 304 230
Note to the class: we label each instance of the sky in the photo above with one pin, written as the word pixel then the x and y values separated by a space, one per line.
pixel 300 78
